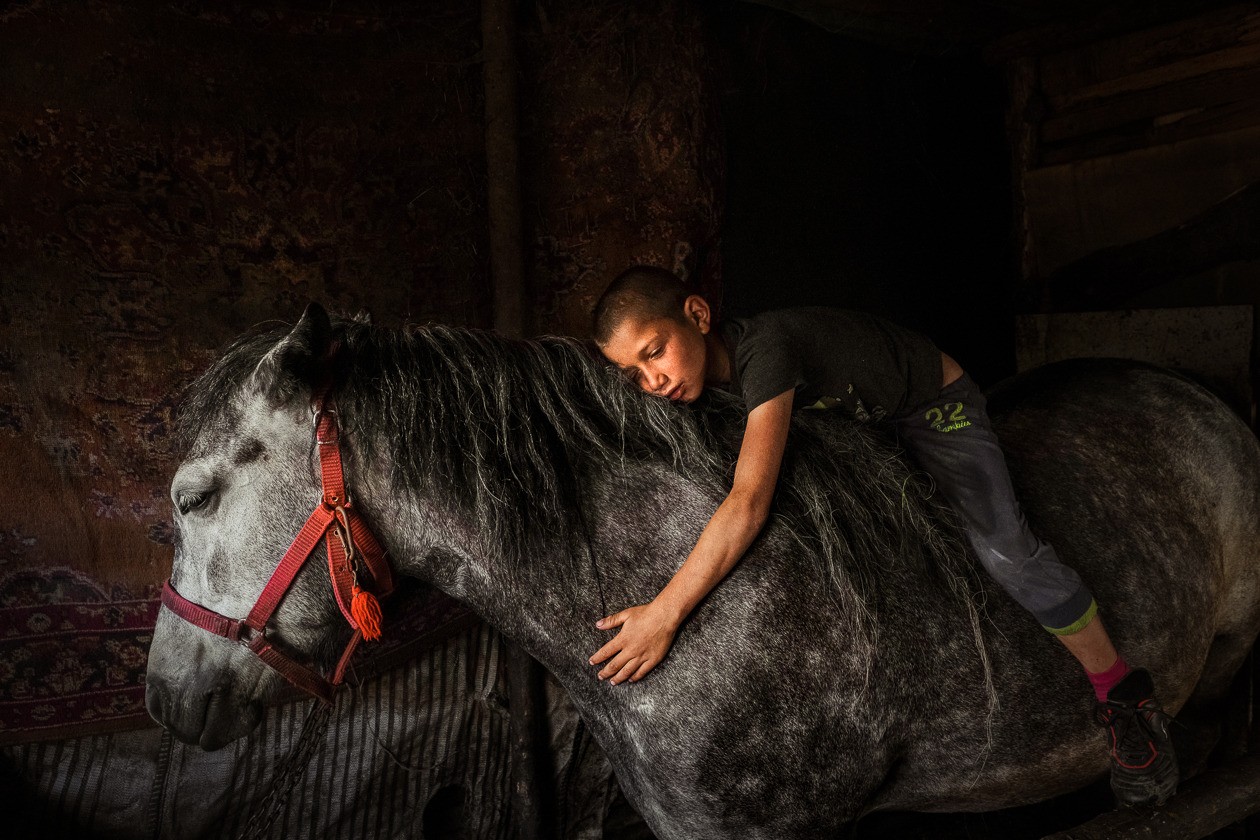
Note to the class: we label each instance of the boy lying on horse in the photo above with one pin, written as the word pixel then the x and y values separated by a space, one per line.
pixel 872 371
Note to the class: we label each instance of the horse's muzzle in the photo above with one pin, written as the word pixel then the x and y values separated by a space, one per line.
pixel 209 716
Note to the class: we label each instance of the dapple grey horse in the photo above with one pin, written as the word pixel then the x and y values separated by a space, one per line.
pixel 853 661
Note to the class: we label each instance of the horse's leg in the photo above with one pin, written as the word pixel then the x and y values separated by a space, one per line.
pixel 1204 719
pixel 1224 658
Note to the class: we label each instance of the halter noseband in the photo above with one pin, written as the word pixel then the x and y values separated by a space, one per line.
pixel 351 550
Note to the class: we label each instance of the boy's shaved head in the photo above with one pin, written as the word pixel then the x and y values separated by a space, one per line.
pixel 641 292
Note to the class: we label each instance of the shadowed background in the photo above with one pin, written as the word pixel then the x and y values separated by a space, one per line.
pixel 173 173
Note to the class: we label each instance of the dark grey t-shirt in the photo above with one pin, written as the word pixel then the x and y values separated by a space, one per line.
pixel 868 366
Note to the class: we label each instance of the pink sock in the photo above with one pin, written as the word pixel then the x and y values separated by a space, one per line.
pixel 1104 681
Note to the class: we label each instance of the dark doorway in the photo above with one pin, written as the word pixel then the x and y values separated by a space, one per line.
pixel 862 177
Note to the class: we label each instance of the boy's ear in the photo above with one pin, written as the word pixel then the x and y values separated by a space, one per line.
pixel 696 310
pixel 296 361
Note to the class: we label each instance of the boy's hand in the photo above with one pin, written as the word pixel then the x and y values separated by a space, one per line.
pixel 647 632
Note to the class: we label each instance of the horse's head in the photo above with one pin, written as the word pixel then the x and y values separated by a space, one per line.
pixel 249 482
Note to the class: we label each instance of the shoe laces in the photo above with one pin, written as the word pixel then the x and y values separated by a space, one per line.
pixel 1121 717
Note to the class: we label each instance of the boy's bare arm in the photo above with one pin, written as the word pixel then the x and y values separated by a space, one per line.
pixel 648 630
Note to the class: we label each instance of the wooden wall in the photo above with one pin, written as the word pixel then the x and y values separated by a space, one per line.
pixel 1125 137
pixel 1136 164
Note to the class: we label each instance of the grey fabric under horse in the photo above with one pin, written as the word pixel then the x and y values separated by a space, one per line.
pixel 852 661
pixel 421 746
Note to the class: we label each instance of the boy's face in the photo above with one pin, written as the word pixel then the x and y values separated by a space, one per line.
pixel 664 356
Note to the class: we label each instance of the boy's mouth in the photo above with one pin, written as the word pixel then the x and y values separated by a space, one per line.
pixel 675 394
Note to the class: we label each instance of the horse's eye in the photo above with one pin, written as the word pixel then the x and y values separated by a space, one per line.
pixel 189 500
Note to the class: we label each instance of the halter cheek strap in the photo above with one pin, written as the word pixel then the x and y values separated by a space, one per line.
pixel 351 546
pixel 357 569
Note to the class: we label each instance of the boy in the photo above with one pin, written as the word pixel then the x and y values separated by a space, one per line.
pixel 873 370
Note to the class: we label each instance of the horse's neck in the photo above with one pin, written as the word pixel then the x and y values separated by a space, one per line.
pixel 635 530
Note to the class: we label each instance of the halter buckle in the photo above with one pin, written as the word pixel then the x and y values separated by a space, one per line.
pixel 249 635
pixel 330 435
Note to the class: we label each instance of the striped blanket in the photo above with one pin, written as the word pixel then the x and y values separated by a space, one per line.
pixel 420 750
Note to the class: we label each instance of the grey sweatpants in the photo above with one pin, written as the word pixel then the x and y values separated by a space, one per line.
pixel 952 440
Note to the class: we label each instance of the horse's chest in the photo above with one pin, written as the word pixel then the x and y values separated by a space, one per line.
pixel 694 769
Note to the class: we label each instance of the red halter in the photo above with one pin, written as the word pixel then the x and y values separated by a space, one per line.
pixel 351 550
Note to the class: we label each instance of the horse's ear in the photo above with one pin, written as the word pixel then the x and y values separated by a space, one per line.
pixel 298 360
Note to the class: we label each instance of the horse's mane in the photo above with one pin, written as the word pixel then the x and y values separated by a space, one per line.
pixel 507 430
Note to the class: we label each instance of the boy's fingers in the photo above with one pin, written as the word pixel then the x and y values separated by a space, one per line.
pixel 624 673
pixel 643 670
pixel 619 661
pixel 610 621
pixel 613 646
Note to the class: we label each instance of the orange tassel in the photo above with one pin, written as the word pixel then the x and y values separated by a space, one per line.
pixel 366 611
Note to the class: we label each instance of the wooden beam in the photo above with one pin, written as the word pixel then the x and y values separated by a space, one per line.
pixel 1107 279
pixel 1156 76
pixel 1209 89
pixel 1157 86
pixel 1115 19
pixel 1157 131
pixel 1206 803
pixel 1153 56
pixel 531 815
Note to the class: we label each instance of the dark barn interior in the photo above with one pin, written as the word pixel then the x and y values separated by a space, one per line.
pixel 1024 182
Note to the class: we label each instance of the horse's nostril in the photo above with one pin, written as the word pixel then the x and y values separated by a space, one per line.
pixel 156 699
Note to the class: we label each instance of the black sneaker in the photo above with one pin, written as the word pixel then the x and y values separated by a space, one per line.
pixel 1143 764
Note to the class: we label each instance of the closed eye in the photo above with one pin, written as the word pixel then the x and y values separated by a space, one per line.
pixel 189 500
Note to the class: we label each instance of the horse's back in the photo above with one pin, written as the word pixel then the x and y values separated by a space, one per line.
pixel 1149 486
